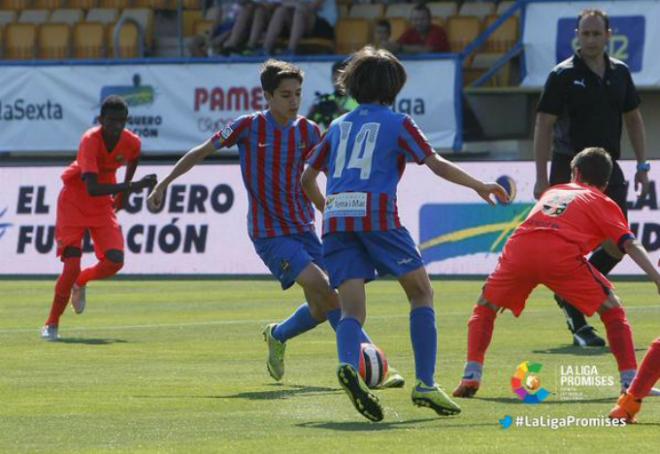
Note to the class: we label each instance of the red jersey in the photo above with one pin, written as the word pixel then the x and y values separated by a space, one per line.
pixel 578 214
pixel 93 157
pixel 436 38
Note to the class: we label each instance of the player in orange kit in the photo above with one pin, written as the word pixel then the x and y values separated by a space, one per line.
pixel 86 203
pixel 549 248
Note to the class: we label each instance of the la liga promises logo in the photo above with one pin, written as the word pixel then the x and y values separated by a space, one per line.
pixel 527 385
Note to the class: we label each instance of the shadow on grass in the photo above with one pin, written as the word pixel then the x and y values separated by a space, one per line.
pixel 282 392
pixel 88 341
pixel 579 351
pixel 514 400
pixel 366 426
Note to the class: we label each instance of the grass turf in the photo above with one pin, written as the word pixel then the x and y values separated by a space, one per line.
pixel 179 366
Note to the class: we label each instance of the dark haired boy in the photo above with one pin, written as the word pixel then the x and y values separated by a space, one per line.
pixel 85 204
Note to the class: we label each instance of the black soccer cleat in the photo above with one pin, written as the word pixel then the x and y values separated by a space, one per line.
pixel 587 337
pixel 364 401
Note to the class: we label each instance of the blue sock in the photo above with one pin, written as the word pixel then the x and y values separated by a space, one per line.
pixel 348 342
pixel 424 336
pixel 299 322
pixel 333 318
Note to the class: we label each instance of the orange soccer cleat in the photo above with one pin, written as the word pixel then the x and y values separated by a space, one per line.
pixel 626 408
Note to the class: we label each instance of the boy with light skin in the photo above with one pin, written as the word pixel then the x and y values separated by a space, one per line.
pixel 272 146
pixel 567 223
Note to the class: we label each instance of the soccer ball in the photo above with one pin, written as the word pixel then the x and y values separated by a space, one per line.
pixel 533 382
pixel 373 365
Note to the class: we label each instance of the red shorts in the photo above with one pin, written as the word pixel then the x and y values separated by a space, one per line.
pixel 72 223
pixel 543 258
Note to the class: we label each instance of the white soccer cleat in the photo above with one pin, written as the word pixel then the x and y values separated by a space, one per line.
pixel 49 333
pixel 78 298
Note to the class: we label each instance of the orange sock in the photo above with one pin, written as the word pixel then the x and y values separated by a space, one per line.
pixel 63 289
pixel 648 373
pixel 104 268
pixel 480 332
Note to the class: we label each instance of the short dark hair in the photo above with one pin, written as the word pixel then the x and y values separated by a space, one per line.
pixel 384 23
pixel 113 103
pixel 422 7
pixel 595 166
pixel 275 71
pixel 593 12
pixel 373 76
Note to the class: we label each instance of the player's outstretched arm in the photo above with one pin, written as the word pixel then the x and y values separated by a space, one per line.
pixel 188 161
pixel 639 255
pixel 96 189
pixel 451 172
pixel 311 188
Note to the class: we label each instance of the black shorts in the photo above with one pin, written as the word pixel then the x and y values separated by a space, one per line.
pixel 617 189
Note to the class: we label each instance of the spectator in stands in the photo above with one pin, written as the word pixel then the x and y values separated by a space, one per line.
pixel 422 36
pixel 328 106
pixel 249 26
pixel 210 43
pixel 314 18
pixel 382 37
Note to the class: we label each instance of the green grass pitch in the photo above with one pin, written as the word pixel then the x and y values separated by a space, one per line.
pixel 179 366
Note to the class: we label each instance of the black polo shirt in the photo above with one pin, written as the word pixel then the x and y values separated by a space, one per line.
pixel 589 108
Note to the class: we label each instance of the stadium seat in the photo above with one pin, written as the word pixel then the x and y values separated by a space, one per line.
pixel 352 34
pixel 189 18
pixel 19 41
pixel 192 4
pixel 47 4
pixel 504 37
pixel 462 30
pixel 156 4
pixel 505 5
pixel 144 17
pixel 54 41
pixel 82 4
pixel 7 17
pixel 88 40
pixel 202 26
pixel 117 4
pixel 369 11
pixel 343 11
pixel 401 10
pixel 128 41
pixel 103 15
pixel 66 16
pixel 33 16
pixel 14 5
pixel 443 10
pixel 478 9
pixel 399 25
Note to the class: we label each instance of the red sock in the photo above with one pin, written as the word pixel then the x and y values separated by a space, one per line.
pixel 648 373
pixel 619 335
pixel 104 268
pixel 63 289
pixel 480 332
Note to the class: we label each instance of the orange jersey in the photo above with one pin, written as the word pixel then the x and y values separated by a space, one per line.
pixel 578 214
pixel 93 157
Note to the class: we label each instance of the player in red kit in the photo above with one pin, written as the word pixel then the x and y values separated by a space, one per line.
pixel 86 202
pixel 549 248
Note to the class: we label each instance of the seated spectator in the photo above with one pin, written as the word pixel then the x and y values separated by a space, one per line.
pixel 382 37
pixel 249 26
pixel 314 18
pixel 422 36
pixel 210 43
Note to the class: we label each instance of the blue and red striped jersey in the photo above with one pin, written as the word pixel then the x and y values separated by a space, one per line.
pixel 272 160
pixel 364 153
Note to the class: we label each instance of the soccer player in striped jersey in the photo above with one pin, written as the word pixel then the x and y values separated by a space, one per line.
pixel 364 154
pixel 273 145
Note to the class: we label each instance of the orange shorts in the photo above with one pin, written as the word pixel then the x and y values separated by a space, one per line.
pixel 72 223
pixel 543 258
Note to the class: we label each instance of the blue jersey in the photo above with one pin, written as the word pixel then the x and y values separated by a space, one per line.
pixel 272 160
pixel 364 154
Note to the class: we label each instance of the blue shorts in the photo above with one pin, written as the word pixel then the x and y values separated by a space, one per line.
pixel 287 256
pixel 358 255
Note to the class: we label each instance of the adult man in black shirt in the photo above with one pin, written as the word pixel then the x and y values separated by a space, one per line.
pixel 584 100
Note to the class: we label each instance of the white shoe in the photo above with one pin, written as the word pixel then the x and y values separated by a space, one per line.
pixel 78 299
pixel 49 333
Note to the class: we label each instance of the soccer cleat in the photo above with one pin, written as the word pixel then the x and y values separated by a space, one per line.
pixel 78 300
pixel 364 401
pixel 393 379
pixel 626 408
pixel 466 389
pixel 49 333
pixel 587 337
pixel 275 362
pixel 435 398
